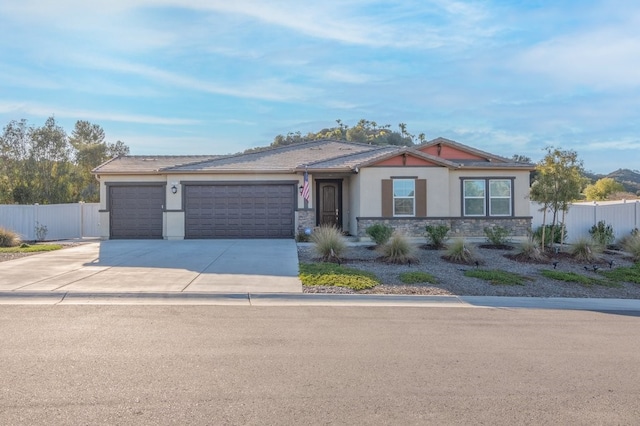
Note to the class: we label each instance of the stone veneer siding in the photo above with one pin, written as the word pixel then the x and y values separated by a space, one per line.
pixel 459 226
pixel 306 219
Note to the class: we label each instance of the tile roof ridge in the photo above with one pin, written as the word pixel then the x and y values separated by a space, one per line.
pixel 464 147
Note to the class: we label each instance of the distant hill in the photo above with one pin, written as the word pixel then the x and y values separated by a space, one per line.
pixel 630 179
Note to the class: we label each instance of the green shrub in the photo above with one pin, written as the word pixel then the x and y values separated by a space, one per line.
pixel 437 235
pixel 497 235
pixel 329 242
pixel 602 233
pixel 531 251
pixel 552 234
pixel 303 237
pixel 460 252
pixel 331 274
pixel 585 250
pixel 399 249
pixel 8 238
pixel 417 277
pixel 496 277
pixel 379 233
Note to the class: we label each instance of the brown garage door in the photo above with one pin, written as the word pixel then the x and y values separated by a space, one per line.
pixel 239 211
pixel 136 211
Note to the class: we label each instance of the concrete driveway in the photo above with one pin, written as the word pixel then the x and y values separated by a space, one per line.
pixel 227 266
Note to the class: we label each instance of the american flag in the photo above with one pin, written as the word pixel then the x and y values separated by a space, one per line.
pixel 306 189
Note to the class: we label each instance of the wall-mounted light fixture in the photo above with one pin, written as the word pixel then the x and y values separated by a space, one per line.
pixel 174 189
pixel 301 189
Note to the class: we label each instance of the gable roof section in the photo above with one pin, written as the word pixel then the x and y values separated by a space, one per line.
pixel 467 157
pixel 280 159
pixel 408 156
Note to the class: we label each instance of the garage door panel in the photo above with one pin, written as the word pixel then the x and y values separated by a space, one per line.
pixel 239 211
pixel 136 211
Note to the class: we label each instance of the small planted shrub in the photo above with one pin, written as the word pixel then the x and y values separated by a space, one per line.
pixel 331 274
pixel 399 249
pixel 379 233
pixel 460 252
pixel 303 237
pixel 329 243
pixel 41 231
pixel 602 234
pixel 497 235
pixel 529 251
pixel 552 234
pixel 9 238
pixel 437 235
pixel 586 250
pixel 417 277
pixel 497 277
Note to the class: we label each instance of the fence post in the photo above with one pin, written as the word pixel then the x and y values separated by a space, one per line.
pixel 81 209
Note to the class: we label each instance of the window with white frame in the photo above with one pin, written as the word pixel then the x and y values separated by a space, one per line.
pixel 474 197
pixel 404 197
pixel 487 197
pixel 499 197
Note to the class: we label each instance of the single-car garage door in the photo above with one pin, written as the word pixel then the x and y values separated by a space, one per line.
pixel 239 211
pixel 136 211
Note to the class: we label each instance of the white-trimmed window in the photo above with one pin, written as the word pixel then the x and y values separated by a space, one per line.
pixel 404 197
pixel 474 197
pixel 487 197
pixel 499 197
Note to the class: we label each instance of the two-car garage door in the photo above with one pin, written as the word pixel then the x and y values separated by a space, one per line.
pixel 239 210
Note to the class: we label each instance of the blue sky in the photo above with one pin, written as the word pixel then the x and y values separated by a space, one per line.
pixel 216 77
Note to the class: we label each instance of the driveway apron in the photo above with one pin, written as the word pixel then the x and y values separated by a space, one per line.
pixel 227 266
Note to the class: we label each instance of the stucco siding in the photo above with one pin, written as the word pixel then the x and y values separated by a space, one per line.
pixel 370 197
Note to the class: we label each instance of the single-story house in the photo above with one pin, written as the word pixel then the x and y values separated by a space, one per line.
pixel 351 185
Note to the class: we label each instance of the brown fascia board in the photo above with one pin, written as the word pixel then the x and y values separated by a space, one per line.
pixel 463 147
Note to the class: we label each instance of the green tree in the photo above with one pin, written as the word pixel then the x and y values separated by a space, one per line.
pixel 558 182
pixel 48 165
pixel 602 189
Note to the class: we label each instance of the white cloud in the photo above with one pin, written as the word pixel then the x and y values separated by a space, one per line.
pixel 80 114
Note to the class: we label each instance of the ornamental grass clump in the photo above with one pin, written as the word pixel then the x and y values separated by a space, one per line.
pixel 631 245
pixel 379 233
pixel 437 235
pixel 586 250
pixel 399 250
pixel 530 251
pixel 460 252
pixel 329 243
pixel 9 238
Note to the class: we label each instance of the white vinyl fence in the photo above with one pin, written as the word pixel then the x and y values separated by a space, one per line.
pixel 623 216
pixel 62 221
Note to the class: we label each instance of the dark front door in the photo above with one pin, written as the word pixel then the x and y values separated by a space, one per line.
pixel 329 203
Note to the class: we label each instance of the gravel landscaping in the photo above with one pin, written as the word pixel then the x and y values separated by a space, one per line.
pixel 452 281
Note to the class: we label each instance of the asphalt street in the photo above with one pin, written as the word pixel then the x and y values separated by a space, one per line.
pixel 108 364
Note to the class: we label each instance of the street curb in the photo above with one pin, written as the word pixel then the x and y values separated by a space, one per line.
pixel 313 299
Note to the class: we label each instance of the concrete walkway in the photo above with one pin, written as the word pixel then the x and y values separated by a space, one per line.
pixel 152 266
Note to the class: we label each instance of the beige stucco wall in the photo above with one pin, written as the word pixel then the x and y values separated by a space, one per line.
pixel 369 201
pixel 354 202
